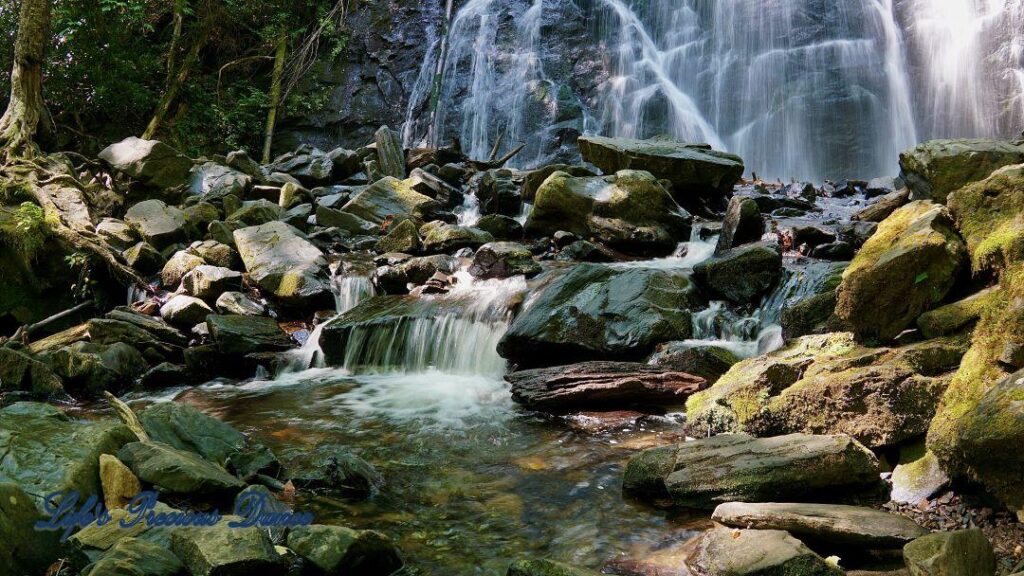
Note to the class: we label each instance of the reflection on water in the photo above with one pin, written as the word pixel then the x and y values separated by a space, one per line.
pixel 472 481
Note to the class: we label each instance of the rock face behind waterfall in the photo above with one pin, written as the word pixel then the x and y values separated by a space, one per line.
pixel 695 170
pixel 601 312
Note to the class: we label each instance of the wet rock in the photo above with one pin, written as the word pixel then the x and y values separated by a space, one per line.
pixel 828 523
pixel 987 213
pixel 212 181
pixel 503 260
pixel 600 312
pixel 960 553
pixel 630 211
pixel 298 216
pixel 396 278
pixel 247 334
pixel 335 468
pixel 239 304
pixel 583 251
pixel 185 311
pixel 283 263
pixel 918 476
pixel 883 207
pixel 448 238
pixel 134 557
pixel 904 270
pixel 695 170
pixel 934 169
pixel 838 251
pixel 390 196
pixel 149 161
pixel 815 313
pixel 91 369
pixel 501 227
pixel 144 258
pixel 45 451
pixel 23 550
pixel 499 194
pixel 116 233
pixel 183 427
pixel 255 212
pixel 164 375
pixel 180 264
pixel 157 223
pixel 811 236
pixel 337 550
pixel 725 552
pixel 741 275
pixel 119 485
pixel 707 362
pixel 955 317
pixel 158 328
pixel 546 568
pixel 390 155
pixel 209 282
pixel 742 224
pixel 177 471
pixel 19 371
pixel 737 467
pixel 533 179
pixel 222 550
pixel 403 237
pixel 601 384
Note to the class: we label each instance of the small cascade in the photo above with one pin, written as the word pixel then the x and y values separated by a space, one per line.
pixel 349 291
pixel 469 213
pixel 454 333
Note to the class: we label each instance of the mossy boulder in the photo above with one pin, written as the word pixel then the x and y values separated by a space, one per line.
pixel 990 216
pixel 935 168
pixel 144 258
pixel 907 268
pixel 177 266
pixel 600 312
pixel 959 553
pixel 403 237
pixel 501 227
pixel 23 550
pixel 446 238
pixel 726 552
pixel 503 260
pixel 630 211
pixel 209 282
pixel 337 550
pixel 186 428
pixel 741 275
pixel 390 196
pixel 222 550
pixel 335 468
pixel 89 369
pixel 959 315
pixel 21 372
pixel 135 557
pixel 255 212
pixel 282 262
pixel 543 567
pixel 708 362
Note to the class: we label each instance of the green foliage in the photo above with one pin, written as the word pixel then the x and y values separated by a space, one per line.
pixel 29 231
pixel 81 264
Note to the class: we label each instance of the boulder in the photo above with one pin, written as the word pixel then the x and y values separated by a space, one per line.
pixel 144 258
pixel 918 476
pixel 737 467
pixel 119 485
pixel 403 237
pixel 630 211
pixel 832 524
pixel 990 216
pixel 501 227
pixel 283 263
pixel 707 362
pixel 213 181
pixel 306 165
pixel 298 216
pixel 201 214
pixel 546 568
pixel 177 471
pixel 958 316
pixel 215 253
pixel 503 260
pixel 584 251
pixel 116 233
pixel 390 196
pixel 601 385
pixel 209 282
pixel 158 224
pixel 23 549
pixel 395 279
pixel 741 275
pixel 390 154
pixel 221 550
pixel 600 312
pixel 45 451
pixel 695 170
pixel 332 467
pixel 447 238
pixel 349 223
pixel 725 552
pixel 814 314
pixel 499 194
pixel 255 212
pixel 157 328
pixel 901 272
pixel 337 550
pixel 247 334
pixel 21 372
pixel 934 169
pixel 883 207
pixel 185 311
pixel 960 553
pixel 135 557
pixel 91 369
pixel 534 178
pixel 293 195
pixel 241 161
pixel 164 375
pixel 180 264
pixel 239 304
pixel 742 224
pixel 149 161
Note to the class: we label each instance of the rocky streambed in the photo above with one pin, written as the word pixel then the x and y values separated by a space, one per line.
pixel 642 364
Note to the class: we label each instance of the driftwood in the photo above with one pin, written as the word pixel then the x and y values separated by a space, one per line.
pixel 482 165
pixel 25 331
pixel 125 413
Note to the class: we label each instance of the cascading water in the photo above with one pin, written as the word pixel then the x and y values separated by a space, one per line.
pixel 798 88
pixel 349 291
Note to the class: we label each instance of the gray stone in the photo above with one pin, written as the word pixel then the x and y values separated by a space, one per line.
pixel 350 223
pixel 239 304
pixel 742 224
pixel 725 552
pixel 134 557
pixel 448 238
pixel 222 550
pixel 390 196
pixel 149 161
pixel 177 471
pixel 211 181
pixel 144 258
pixel 960 553
pixel 180 264
pixel 116 233
pixel 544 567
pixel 503 260
pixel 216 253
pixel 256 212
pixel 390 155
pixel 209 282
pixel 934 169
pixel 185 311
pixel 918 476
pixel 157 223
pixel 247 334
pixel 283 263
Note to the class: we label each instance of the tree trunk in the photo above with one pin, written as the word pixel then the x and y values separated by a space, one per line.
pixel 172 52
pixel 275 95
pixel 171 92
pixel 20 122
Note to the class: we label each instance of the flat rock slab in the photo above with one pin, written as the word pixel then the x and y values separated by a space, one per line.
pixel 830 523
pixel 727 552
pixel 591 384
pixel 738 467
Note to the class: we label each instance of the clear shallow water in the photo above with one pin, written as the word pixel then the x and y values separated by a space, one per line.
pixel 472 480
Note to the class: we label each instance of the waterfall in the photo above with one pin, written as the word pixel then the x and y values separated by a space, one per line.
pixel 454 333
pixel 349 291
pixel 799 88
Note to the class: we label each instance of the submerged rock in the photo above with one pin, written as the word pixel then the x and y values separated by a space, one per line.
pixel 601 384
pixel 601 312
pixel 221 550
pixel 902 271
pixel 741 275
pixel 337 550
pixel 833 524
pixel 333 468
pixel 725 552
pixel 149 161
pixel 737 467
pixel 934 169
pixel 283 263
pixel 695 170
pixel 960 553
pixel 546 568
